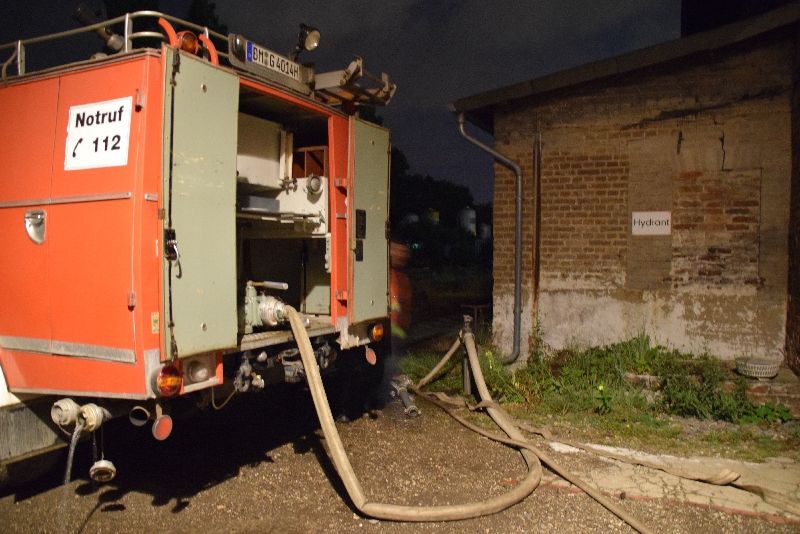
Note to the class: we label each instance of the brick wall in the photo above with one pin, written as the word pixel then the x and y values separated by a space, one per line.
pixel 706 138
pixel 716 220
pixel 584 215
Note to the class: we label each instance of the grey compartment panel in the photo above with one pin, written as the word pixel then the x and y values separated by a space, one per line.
pixel 371 201
pixel 201 117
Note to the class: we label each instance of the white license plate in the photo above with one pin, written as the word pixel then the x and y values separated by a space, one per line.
pixel 271 60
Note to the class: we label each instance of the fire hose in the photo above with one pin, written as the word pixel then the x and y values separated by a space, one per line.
pixel 394 512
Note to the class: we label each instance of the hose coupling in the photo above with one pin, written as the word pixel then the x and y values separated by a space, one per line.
pixel 400 389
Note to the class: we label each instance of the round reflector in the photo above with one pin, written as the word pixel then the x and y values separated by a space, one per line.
pixel 162 428
pixel 169 381
pixel 372 358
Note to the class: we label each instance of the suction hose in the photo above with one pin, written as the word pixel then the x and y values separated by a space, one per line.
pixel 391 511
pixel 489 506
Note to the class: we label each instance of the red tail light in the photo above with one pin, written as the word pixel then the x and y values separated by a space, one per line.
pixel 169 380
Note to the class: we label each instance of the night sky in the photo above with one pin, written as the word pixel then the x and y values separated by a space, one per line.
pixel 436 51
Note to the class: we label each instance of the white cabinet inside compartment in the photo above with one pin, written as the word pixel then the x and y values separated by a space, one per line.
pixel 264 153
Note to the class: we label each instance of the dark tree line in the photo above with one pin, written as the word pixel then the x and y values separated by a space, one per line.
pixel 425 213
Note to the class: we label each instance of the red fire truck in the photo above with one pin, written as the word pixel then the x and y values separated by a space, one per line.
pixel 159 206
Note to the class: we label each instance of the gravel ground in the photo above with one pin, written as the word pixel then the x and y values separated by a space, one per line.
pixel 260 466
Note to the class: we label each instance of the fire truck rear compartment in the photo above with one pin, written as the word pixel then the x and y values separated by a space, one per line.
pixel 282 200
pixel 269 160
pixel 188 229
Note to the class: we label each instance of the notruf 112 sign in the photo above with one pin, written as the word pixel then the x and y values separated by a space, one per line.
pixel 98 134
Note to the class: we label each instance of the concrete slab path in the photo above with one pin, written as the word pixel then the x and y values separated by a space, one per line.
pixel 614 477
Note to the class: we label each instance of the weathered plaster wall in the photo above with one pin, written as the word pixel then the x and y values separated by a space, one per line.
pixel 793 300
pixel 706 138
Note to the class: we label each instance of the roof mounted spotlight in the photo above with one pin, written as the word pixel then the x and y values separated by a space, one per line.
pixel 308 39
pixel 85 16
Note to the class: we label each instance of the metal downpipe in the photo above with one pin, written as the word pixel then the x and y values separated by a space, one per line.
pixel 517 235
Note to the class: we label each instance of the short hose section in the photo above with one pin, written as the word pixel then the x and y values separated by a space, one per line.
pixel 435 513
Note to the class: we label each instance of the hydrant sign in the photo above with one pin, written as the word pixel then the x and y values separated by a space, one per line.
pixel 98 135
pixel 651 223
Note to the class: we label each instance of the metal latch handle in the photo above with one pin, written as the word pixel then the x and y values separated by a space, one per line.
pixel 35 225
pixel 171 251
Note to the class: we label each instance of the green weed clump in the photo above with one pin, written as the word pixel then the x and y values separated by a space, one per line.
pixel 417 364
pixel 768 412
pixel 696 388
pixel 597 380
pixel 501 382
pixel 591 379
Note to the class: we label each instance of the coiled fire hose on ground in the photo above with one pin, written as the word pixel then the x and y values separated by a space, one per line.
pixel 437 513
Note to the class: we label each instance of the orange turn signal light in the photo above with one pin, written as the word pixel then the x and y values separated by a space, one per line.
pixel 376 332
pixel 169 380
pixel 187 41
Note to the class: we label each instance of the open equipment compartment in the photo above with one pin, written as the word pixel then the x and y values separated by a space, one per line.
pixel 282 216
